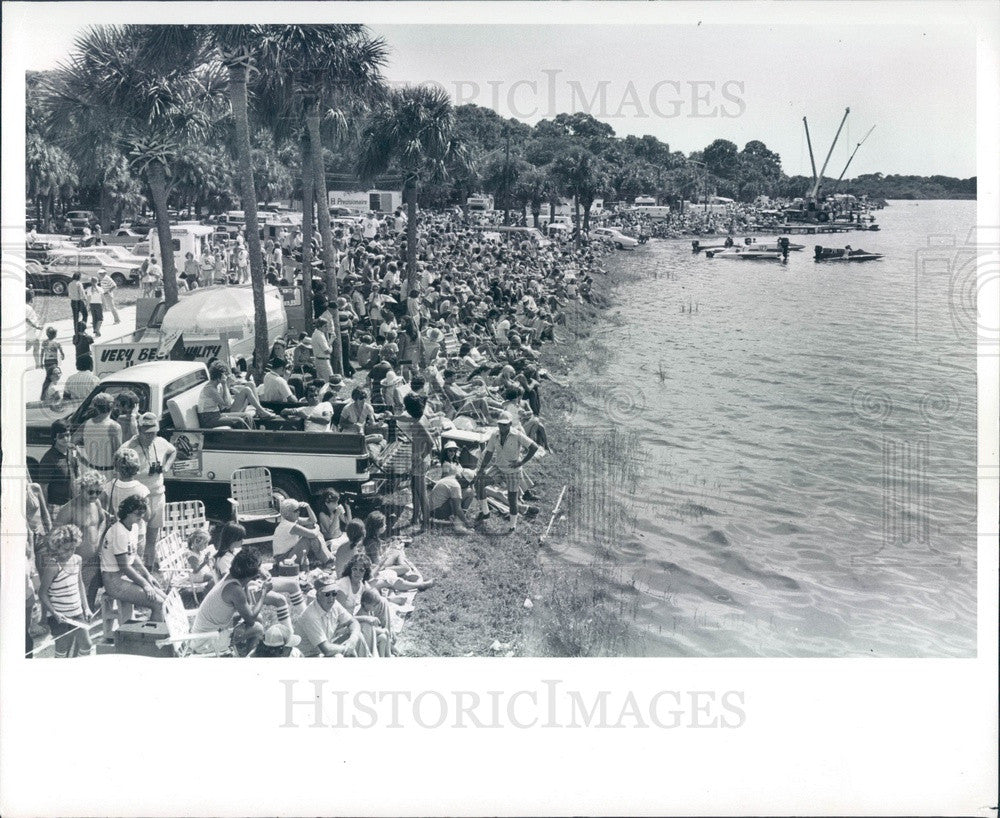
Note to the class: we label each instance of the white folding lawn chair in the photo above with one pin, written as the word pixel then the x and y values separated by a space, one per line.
pixel 253 499
pixel 185 643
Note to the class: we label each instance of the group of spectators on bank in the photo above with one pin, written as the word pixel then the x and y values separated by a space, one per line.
pixel 459 348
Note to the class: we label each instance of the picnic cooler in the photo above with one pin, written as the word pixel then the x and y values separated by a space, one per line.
pixel 139 639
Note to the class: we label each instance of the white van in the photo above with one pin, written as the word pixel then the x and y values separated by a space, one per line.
pixel 187 238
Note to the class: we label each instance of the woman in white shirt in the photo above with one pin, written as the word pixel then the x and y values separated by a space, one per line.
pixel 125 577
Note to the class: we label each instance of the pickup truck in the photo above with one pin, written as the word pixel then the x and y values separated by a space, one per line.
pixel 301 463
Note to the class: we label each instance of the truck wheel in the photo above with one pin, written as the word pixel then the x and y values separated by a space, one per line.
pixel 287 486
pixel 59 287
pixel 619 245
pixel 119 279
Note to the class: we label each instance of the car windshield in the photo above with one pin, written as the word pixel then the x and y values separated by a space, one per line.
pixel 140 390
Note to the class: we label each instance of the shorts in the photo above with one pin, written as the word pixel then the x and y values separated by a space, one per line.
pixel 58 628
pixel 157 504
pixel 510 480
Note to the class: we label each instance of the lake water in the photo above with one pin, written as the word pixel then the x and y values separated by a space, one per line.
pixel 778 459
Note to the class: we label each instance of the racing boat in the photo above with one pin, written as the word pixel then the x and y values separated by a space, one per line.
pixel 844 254
pixel 778 245
pixel 746 254
pixel 697 246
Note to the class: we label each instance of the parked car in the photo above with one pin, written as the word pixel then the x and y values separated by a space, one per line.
pixel 615 237
pixel 74 221
pixel 118 254
pixel 41 250
pixel 124 237
pixel 64 263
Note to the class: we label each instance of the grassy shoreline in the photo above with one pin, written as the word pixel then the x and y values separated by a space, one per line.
pixel 478 605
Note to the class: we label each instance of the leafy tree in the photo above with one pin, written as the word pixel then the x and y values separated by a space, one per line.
pixel 152 87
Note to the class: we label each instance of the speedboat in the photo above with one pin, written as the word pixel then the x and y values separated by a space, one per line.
pixel 777 244
pixel 746 254
pixel 844 254
pixel 697 246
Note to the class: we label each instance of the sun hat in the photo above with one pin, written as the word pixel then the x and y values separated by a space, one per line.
pixel 450 444
pixel 280 636
pixel 504 417
pixel 148 420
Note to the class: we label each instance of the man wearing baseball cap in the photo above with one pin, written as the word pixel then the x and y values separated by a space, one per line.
pixel 504 447
pixel 156 455
pixel 326 627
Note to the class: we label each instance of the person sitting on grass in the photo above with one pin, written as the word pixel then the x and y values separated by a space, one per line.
pixel 373 615
pixel 326 627
pixel 333 516
pixel 293 539
pixel 232 599
pixel 63 595
pixel 355 545
pixel 390 566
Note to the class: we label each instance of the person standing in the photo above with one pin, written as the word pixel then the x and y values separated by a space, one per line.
pixel 152 278
pixel 321 350
pixel 82 382
pixel 156 456
pixel 192 271
pixel 108 287
pixel 421 446
pixel 86 513
pixel 55 473
pixel 95 298
pixel 100 436
pixel 32 328
pixel 77 299
pixel 505 448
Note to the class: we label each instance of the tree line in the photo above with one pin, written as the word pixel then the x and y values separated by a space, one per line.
pixel 200 117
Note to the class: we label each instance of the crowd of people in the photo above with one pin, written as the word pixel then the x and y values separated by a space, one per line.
pixel 460 350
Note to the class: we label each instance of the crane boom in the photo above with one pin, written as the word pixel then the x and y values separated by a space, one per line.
pixel 819 180
pixel 809 143
pixel 851 159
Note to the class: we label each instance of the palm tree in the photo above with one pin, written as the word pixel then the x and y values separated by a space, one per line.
pixel 237 46
pixel 534 188
pixel 413 129
pixel 152 88
pixel 575 170
pixel 48 171
pixel 329 66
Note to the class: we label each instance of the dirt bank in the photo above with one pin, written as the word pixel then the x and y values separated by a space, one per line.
pixel 477 607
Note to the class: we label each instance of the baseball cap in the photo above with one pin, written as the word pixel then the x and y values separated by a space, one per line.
pixel 149 420
pixel 326 583
pixel 280 636
pixel 504 417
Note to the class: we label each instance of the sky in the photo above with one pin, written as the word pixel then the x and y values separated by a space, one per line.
pixel 690 84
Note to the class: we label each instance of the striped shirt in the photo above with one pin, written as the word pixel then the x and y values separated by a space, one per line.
pixel 64 590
